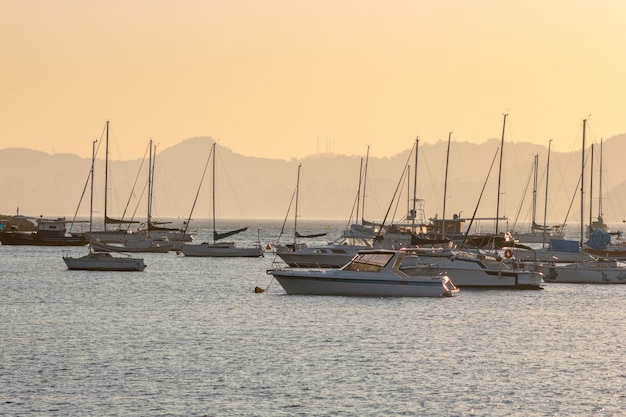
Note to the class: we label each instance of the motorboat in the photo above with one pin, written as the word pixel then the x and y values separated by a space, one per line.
pixel 373 273
pixel 473 269
pixel 600 271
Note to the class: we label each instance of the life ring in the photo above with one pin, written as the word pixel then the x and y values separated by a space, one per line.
pixel 508 254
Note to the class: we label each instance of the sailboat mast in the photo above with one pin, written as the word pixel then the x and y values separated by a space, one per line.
pixel 93 158
pixel 536 167
pixel 367 157
pixel 582 188
pixel 500 173
pixel 106 174
pixel 600 214
pixel 295 221
pixel 213 193
pixel 358 193
pixel 445 189
pixel 591 193
pixel 414 211
pixel 150 173
pixel 545 203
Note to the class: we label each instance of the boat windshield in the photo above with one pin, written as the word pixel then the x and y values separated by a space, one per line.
pixel 370 262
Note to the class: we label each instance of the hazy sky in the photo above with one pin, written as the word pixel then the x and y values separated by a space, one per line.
pixel 285 78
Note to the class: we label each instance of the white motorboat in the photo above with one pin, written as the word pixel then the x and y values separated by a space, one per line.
pixel 469 269
pixel 374 273
pixel 559 250
pixel 587 272
pixel 103 261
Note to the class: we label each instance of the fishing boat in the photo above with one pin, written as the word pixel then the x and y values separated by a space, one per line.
pixel 216 248
pixel 371 273
pixel 49 232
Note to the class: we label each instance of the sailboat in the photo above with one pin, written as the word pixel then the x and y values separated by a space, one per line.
pixel 220 249
pixel 332 255
pixel 599 235
pixel 146 240
pixel 101 261
pixel 538 233
pixel 107 235
pixel 597 271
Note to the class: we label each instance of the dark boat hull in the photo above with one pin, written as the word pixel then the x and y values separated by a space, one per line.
pixel 33 239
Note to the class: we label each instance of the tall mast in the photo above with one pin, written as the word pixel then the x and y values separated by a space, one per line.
pixel 93 158
pixel 367 157
pixel 358 193
pixel 545 204
pixel 213 192
pixel 445 189
pixel 150 185
pixel 600 185
pixel 106 174
pixel 582 188
pixel 295 222
pixel 414 211
pixel 591 192
pixel 500 173
pixel 536 167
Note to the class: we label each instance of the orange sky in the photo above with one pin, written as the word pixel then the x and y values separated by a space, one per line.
pixel 283 79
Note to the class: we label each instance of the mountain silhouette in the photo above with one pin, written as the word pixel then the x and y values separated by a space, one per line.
pixel 248 187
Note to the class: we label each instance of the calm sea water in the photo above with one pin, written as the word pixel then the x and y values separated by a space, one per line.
pixel 189 337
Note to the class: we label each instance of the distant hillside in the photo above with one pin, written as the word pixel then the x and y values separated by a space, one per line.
pixel 248 188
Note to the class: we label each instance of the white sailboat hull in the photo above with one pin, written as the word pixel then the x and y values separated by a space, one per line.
pixel 586 273
pixel 227 249
pixel 103 262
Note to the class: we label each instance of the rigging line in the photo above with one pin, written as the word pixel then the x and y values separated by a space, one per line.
pixel 395 193
pixel 521 203
pixel 132 191
pixel 480 197
pixel 357 199
pixel 89 175
pixel 403 181
pixel 569 209
pixel 193 206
